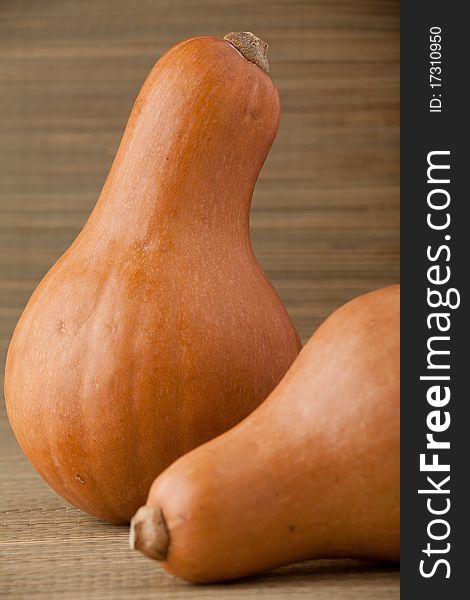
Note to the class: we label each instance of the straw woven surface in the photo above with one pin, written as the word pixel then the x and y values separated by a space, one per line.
pixel 324 224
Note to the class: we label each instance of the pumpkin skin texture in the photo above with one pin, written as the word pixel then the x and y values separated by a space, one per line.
pixel 312 473
pixel 156 330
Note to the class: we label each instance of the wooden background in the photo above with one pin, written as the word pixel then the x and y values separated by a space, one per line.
pixel 324 222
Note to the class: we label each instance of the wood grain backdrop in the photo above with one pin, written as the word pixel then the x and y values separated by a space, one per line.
pixel 324 219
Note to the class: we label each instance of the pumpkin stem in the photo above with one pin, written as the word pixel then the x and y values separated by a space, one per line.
pixel 149 533
pixel 252 48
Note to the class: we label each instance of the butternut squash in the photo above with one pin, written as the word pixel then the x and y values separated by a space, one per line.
pixel 157 329
pixel 313 472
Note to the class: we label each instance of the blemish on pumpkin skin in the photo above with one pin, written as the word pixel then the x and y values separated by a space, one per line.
pixel 292 528
pixel 78 478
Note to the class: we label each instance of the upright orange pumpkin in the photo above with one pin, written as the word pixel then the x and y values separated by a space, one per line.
pixel 157 329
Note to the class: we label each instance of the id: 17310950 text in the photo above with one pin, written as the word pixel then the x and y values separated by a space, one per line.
pixel 435 69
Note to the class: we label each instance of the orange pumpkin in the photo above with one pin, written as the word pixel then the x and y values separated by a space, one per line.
pixel 314 472
pixel 157 329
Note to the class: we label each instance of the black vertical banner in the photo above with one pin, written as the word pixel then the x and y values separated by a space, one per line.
pixel 435 234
